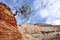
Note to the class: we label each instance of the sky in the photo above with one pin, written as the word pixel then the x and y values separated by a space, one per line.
pixel 44 11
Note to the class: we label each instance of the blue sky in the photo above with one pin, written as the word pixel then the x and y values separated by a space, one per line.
pixel 44 11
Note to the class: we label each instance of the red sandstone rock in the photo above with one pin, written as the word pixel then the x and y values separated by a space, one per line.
pixel 8 27
pixel 7 15
pixel 9 32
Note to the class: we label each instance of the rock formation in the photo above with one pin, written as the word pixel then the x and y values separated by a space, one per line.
pixel 30 28
pixel 39 31
pixel 7 15
pixel 8 26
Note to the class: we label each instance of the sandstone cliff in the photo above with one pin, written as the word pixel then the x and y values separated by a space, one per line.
pixel 7 15
pixel 39 31
pixel 30 28
pixel 8 27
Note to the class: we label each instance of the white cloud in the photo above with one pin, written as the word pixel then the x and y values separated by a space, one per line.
pixel 45 13
pixel 49 9
pixel 36 4
pixel 56 22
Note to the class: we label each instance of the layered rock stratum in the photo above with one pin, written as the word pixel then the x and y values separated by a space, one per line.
pixel 39 31
pixel 7 15
pixel 8 26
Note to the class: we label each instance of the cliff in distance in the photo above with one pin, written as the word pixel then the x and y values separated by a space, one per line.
pixel 39 31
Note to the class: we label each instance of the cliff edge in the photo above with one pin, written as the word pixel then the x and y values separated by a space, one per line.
pixel 8 26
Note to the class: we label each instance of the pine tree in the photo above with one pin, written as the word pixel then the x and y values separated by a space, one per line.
pixel 24 10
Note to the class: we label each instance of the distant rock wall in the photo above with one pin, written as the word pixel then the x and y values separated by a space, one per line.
pixel 39 31
pixel 30 28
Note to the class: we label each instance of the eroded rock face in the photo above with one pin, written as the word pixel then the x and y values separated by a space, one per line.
pixel 7 15
pixel 32 28
pixel 9 32
pixel 8 27
pixel 53 38
pixel 40 31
